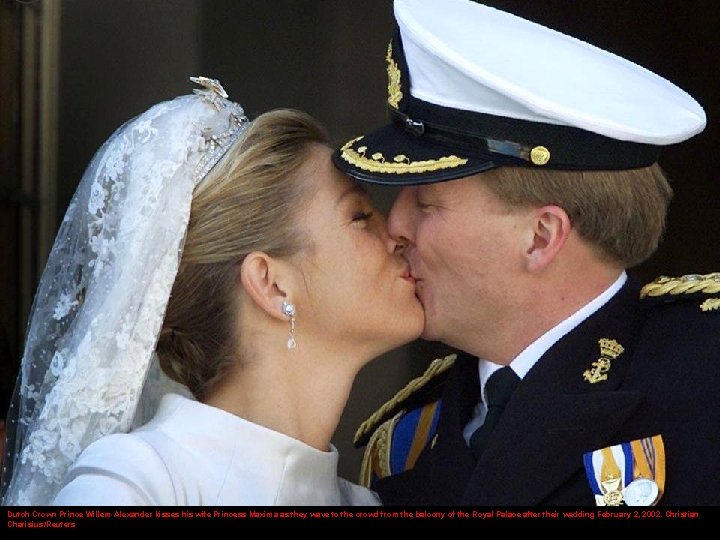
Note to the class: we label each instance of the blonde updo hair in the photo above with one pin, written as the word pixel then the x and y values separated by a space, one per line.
pixel 247 203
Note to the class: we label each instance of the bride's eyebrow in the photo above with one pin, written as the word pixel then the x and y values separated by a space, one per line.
pixel 358 189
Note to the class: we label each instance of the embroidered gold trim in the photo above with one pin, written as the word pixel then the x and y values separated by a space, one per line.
pixel 691 283
pixel 711 304
pixel 400 164
pixel 437 366
pixel 609 350
pixel 394 92
pixel 377 453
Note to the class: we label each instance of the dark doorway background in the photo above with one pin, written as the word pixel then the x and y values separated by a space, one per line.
pixel 118 57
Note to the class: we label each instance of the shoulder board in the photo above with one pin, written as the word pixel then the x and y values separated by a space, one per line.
pixel 412 393
pixel 699 287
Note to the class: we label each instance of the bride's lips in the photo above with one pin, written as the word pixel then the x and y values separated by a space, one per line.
pixel 407 275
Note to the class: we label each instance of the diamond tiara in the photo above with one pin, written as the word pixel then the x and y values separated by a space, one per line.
pixel 218 143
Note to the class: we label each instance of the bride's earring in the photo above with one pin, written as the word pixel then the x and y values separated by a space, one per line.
pixel 289 310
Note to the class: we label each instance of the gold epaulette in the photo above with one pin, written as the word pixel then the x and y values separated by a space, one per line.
pixel 689 284
pixel 436 367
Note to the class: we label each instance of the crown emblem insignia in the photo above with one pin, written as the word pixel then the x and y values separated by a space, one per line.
pixel 609 350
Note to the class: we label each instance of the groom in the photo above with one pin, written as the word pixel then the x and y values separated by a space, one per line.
pixel 527 162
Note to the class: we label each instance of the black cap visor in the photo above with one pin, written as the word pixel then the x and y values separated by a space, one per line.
pixel 392 156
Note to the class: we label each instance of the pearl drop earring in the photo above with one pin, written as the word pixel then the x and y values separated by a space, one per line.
pixel 289 310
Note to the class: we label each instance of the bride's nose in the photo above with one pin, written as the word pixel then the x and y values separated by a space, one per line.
pixel 396 246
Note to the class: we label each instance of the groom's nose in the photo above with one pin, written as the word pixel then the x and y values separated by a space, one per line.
pixel 401 220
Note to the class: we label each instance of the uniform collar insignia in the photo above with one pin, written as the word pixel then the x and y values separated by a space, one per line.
pixel 609 350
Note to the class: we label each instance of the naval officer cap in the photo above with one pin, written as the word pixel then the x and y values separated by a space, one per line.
pixel 471 88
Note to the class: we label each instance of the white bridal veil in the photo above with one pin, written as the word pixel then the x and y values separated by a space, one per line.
pixel 89 367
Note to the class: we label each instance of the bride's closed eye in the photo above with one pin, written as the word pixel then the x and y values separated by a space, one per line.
pixel 362 216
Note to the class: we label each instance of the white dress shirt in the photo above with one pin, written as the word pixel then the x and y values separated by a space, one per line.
pixel 194 454
pixel 529 356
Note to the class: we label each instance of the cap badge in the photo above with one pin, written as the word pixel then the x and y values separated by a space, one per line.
pixel 394 92
pixel 609 350
pixel 539 155
pixel 632 473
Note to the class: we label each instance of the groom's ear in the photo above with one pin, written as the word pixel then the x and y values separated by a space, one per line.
pixel 261 276
pixel 548 229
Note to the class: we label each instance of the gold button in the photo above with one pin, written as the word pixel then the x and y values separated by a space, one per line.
pixel 539 155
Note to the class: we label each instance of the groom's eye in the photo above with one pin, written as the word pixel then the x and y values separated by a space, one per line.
pixel 422 205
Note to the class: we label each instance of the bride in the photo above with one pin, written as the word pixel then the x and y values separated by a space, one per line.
pixel 215 287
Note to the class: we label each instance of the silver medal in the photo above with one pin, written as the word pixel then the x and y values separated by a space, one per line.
pixel 641 492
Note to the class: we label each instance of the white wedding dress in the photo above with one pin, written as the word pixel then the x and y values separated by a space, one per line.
pixel 194 454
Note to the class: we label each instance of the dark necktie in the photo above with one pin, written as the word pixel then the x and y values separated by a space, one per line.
pixel 498 389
